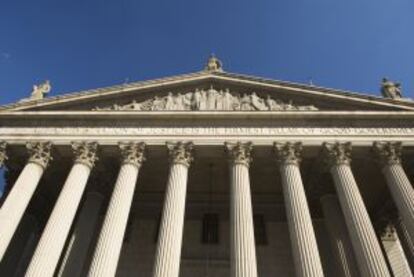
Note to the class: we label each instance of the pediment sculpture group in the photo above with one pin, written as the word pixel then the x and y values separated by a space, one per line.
pixel 209 100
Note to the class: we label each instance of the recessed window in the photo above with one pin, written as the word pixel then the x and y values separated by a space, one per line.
pixel 210 232
pixel 260 229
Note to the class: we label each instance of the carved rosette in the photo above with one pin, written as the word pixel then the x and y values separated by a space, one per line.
pixel 337 153
pixel 3 154
pixel 85 153
pixel 288 153
pixel 239 152
pixel 132 153
pixel 387 153
pixel 180 152
pixel 39 153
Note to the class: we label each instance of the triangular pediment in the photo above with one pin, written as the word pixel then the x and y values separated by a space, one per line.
pixel 212 91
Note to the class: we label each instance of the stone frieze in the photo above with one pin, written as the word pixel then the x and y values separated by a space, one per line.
pixel 209 100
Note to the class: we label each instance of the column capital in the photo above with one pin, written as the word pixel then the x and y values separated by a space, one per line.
pixel 288 152
pixel 3 154
pixel 337 153
pixel 85 152
pixel 387 153
pixel 180 152
pixel 239 152
pixel 132 153
pixel 39 152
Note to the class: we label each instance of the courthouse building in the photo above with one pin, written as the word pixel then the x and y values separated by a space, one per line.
pixel 210 173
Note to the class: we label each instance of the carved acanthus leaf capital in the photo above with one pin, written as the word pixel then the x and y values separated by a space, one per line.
pixel 288 153
pixel 3 154
pixel 239 152
pixel 132 153
pixel 85 153
pixel 337 153
pixel 387 153
pixel 39 152
pixel 180 152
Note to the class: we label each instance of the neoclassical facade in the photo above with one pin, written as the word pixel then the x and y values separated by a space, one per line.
pixel 208 174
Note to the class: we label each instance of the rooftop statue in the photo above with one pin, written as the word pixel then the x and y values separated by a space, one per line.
pixel 214 64
pixel 209 100
pixel 391 89
pixel 39 91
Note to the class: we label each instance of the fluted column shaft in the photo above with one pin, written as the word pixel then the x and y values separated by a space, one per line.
pixel 302 236
pixel 19 197
pixel 243 251
pixel 406 242
pixel 389 156
pixel 366 247
pixel 77 251
pixel 168 254
pixel 108 249
pixel 339 237
pixel 52 241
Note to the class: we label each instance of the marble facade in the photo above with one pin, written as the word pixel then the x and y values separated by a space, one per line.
pixel 118 181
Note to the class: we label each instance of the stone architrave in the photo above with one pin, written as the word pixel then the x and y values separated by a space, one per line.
pixel 52 241
pixel 389 157
pixel 108 249
pixel 242 249
pixel 370 259
pixel 19 197
pixel 302 236
pixel 168 254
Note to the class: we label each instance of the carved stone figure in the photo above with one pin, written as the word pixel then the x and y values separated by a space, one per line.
pixel 257 103
pixel 169 103
pixel 211 99
pixel 245 102
pixel 39 91
pixel 391 89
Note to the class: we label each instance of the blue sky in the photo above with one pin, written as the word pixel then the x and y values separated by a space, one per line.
pixel 87 44
pixel 94 43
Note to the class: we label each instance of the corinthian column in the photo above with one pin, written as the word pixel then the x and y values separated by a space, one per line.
pixel 19 197
pixel 242 251
pixel 339 237
pixel 368 253
pixel 167 259
pixel 53 238
pixel 389 156
pixel 302 236
pixel 108 249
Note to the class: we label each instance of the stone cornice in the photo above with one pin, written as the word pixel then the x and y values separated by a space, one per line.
pixel 127 88
pixel 85 115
